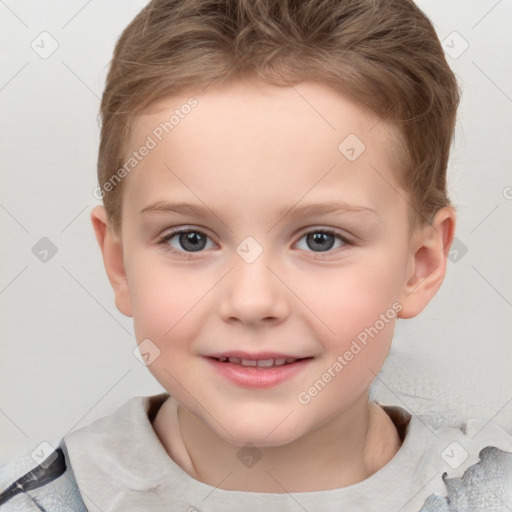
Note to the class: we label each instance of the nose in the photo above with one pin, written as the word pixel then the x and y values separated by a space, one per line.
pixel 254 292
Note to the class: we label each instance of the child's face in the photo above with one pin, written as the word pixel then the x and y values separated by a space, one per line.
pixel 249 280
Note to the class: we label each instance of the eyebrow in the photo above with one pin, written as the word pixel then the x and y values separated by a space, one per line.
pixel 306 210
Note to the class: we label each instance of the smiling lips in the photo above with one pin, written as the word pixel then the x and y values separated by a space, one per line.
pixel 261 370
pixel 260 363
pixel 260 360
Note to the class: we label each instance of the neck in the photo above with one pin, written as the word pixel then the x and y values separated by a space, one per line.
pixel 342 452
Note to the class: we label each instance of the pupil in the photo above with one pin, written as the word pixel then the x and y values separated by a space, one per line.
pixel 195 242
pixel 321 240
pixel 192 241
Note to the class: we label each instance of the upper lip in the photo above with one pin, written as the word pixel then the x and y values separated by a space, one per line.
pixel 257 356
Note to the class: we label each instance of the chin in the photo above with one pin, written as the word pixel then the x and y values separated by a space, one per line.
pixel 260 431
pixel 260 439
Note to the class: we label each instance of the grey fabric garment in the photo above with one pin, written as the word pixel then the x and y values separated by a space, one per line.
pixel 120 465
pixel 35 487
pixel 484 486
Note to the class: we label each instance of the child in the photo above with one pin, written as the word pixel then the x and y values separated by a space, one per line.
pixel 238 138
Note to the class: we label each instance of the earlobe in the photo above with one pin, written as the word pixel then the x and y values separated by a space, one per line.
pixel 112 251
pixel 427 264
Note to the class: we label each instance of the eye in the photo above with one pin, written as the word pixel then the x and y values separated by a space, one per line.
pixel 323 240
pixel 192 240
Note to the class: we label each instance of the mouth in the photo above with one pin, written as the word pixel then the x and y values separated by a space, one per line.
pixel 260 363
pixel 263 370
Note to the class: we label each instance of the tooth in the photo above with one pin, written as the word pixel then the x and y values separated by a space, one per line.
pixel 280 362
pixel 265 362
pixel 222 359
pixel 235 360
pixel 248 362
pixel 291 360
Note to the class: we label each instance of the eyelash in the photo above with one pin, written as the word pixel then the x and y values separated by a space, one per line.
pixel 169 236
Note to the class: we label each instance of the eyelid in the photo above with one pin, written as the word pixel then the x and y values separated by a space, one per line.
pixel 311 229
pixel 169 235
pixel 335 231
pixel 190 227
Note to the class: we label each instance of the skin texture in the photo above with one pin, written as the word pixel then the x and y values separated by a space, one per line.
pixel 246 151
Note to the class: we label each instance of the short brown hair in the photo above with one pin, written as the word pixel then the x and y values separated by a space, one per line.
pixel 382 54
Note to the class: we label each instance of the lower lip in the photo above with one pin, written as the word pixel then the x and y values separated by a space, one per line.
pixel 258 377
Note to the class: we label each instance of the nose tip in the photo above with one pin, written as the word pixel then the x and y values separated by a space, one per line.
pixel 253 292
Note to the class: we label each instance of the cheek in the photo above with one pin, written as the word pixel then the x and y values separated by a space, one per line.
pixel 165 307
pixel 164 303
pixel 352 300
pixel 350 363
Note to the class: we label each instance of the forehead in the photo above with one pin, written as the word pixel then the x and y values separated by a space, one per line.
pixel 246 140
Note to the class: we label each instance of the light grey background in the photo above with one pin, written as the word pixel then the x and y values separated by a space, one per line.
pixel 67 353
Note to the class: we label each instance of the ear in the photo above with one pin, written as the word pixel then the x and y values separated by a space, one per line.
pixel 427 262
pixel 112 250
